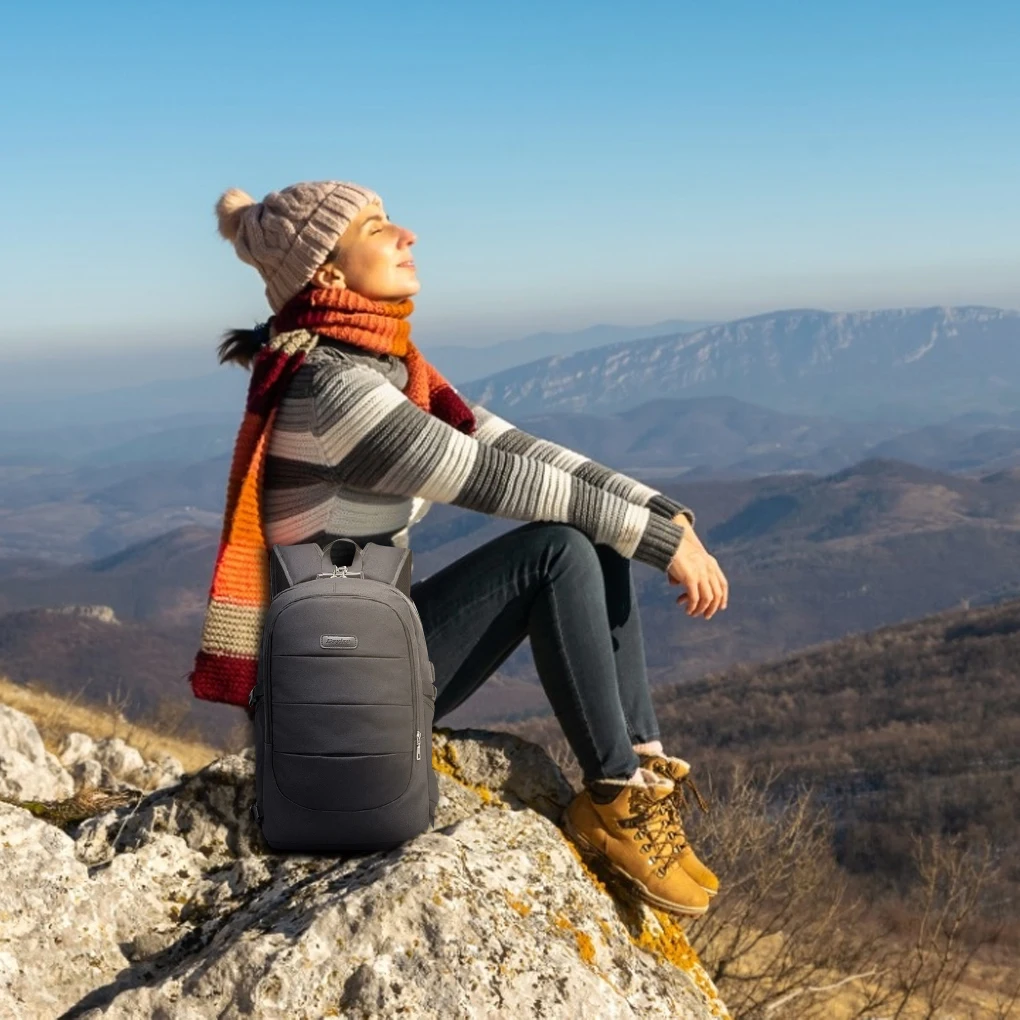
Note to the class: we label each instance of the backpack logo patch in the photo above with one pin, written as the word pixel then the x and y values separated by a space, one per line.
pixel 338 641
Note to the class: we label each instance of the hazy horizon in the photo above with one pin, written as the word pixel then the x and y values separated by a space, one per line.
pixel 475 335
pixel 93 368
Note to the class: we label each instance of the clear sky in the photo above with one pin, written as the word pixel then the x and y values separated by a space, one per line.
pixel 562 163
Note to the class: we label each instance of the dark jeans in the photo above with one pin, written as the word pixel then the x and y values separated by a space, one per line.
pixel 576 602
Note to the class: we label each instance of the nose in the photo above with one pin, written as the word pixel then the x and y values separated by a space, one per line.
pixel 408 236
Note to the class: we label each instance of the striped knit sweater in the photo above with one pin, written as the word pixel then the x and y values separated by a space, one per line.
pixel 350 455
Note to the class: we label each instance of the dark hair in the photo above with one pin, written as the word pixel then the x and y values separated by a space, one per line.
pixel 242 345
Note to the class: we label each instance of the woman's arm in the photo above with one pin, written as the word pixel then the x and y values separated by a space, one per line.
pixel 496 431
pixel 373 438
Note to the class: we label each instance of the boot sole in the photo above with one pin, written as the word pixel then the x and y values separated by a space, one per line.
pixel 593 853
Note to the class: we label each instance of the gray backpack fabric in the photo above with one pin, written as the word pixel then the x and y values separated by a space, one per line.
pixel 344 702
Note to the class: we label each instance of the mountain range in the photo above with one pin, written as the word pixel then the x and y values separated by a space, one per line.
pixel 907 366
pixel 460 363
pixel 826 525
pixel 913 366
pixel 808 558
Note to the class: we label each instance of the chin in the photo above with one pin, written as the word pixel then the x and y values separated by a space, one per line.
pixel 398 290
pixel 407 290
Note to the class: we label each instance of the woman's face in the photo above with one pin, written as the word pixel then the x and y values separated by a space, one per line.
pixel 375 258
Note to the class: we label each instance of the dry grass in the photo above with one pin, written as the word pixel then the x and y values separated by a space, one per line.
pixel 55 716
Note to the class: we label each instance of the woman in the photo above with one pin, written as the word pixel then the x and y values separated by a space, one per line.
pixel 349 431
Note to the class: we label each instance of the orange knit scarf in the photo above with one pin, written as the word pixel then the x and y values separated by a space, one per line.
pixel 226 665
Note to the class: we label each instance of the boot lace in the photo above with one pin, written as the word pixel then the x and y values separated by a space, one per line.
pixel 656 821
pixel 681 797
pixel 680 785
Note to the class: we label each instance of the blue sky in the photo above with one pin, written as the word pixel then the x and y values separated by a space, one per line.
pixel 562 164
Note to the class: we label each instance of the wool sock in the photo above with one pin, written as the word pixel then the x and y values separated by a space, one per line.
pixel 603 791
pixel 652 747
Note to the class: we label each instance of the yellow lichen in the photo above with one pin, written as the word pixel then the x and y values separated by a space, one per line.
pixel 520 906
pixel 595 880
pixel 585 946
pixel 669 944
pixel 445 759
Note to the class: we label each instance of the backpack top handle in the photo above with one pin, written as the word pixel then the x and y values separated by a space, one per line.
pixel 356 565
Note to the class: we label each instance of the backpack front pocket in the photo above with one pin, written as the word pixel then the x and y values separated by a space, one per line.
pixel 341 695
pixel 342 782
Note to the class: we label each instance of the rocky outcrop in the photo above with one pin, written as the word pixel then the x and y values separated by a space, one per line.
pixel 28 771
pixel 168 904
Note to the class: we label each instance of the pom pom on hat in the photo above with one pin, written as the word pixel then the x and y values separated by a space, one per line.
pixel 231 204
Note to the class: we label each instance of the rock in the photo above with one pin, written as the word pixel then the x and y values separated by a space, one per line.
pixel 174 906
pixel 168 764
pixel 55 940
pixel 162 770
pixel 521 771
pixel 27 769
pixel 87 773
pixel 76 747
pixel 114 764
pixel 120 758
pixel 104 614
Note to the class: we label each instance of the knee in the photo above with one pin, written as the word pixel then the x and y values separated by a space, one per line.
pixel 572 546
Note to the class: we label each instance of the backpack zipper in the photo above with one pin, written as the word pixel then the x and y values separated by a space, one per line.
pixel 340 571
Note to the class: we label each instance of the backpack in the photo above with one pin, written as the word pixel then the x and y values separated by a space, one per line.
pixel 343 704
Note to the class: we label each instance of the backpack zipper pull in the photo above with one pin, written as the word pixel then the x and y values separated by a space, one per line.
pixel 340 571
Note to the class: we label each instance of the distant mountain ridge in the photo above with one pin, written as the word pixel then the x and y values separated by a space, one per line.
pixel 916 365
pixel 912 366
pixel 459 363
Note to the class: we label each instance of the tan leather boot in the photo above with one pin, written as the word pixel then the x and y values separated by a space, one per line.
pixel 636 835
pixel 679 772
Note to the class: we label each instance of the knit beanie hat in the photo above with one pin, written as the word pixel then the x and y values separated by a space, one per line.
pixel 290 233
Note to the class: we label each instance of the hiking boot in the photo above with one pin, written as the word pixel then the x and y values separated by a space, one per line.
pixel 636 834
pixel 679 772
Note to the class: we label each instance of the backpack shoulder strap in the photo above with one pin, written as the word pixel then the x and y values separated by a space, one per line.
pixel 390 564
pixel 292 564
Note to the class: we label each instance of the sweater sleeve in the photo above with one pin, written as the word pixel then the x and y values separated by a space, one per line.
pixel 498 432
pixel 374 439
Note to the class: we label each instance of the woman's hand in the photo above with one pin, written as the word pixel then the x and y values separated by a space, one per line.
pixel 699 572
